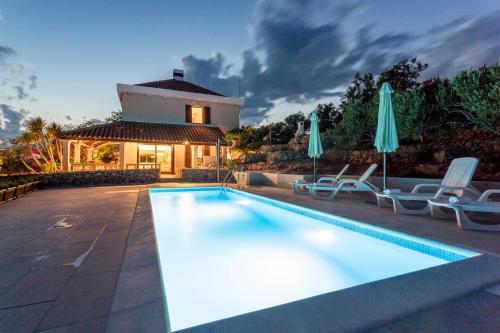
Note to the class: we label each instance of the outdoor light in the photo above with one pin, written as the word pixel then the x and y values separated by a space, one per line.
pixel 186 142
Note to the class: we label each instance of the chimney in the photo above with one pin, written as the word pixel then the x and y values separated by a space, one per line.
pixel 178 74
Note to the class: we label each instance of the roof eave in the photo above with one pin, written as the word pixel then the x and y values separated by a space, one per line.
pixel 168 93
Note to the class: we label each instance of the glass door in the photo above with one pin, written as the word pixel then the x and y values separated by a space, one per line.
pixel 164 158
pixel 146 156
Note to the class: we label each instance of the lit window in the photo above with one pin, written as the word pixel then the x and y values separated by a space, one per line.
pixel 197 115
pixel 146 154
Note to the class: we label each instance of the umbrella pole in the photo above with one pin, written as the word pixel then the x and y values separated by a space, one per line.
pixel 314 170
pixel 385 170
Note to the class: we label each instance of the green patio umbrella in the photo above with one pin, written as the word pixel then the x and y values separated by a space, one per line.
pixel 315 150
pixel 386 140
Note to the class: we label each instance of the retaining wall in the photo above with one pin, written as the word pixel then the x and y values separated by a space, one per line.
pixel 199 175
pixel 86 178
pixel 255 178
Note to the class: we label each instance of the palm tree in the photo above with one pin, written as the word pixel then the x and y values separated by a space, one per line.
pixel 27 139
pixel 54 131
pixel 37 126
pixel 20 152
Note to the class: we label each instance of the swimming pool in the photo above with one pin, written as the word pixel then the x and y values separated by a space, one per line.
pixel 223 255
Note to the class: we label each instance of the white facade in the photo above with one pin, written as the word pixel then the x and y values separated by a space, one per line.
pixel 144 104
pixel 165 106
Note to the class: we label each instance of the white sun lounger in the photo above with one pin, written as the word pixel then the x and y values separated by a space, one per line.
pixel 482 205
pixel 456 182
pixel 346 185
pixel 300 186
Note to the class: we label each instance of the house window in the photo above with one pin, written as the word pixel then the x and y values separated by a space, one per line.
pixel 146 154
pixel 197 115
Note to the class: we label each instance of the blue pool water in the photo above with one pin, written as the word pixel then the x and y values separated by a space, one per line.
pixel 223 255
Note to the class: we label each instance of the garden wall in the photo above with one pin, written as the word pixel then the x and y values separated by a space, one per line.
pixel 416 160
pixel 255 178
pixel 86 178
pixel 199 175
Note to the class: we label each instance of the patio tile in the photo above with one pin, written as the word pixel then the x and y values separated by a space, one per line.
pixel 91 326
pixel 102 260
pixel 15 241
pixel 3 290
pixel 22 319
pixel 39 285
pixel 149 318
pixel 84 235
pixel 383 298
pixel 12 270
pixel 460 316
pixel 5 253
pixel 83 298
pixel 112 239
pixel 122 226
pixel 139 236
pixel 137 286
pixel 43 244
pixel 66 253
pixel 139 255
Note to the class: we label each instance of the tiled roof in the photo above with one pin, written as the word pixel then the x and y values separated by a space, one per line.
pixel 180 85
pixel 147 132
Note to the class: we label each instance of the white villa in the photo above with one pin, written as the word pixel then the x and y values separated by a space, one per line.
pixel 166 124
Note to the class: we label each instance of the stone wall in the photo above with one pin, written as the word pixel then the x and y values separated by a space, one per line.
pixel 432 160
pixel 87 178
pixel 256 178
pixel 416 160
pixel 199 175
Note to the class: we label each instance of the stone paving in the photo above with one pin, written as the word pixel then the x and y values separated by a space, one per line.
pixel 60 255
pixel 71 260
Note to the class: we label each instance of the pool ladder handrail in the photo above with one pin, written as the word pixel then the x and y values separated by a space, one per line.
pixel 225 182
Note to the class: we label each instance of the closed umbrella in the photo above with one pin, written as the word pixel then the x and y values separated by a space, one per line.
pixel 315 150
pixel 386 140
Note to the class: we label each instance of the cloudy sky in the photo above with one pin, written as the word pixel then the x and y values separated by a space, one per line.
pixel 62 59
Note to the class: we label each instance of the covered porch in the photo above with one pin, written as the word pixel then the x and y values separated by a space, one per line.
pixel 131 145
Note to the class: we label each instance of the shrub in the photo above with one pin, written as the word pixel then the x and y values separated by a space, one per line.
pixel 478 93
pixel 359 121
pixel 408 111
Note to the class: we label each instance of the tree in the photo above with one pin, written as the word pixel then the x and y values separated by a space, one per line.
pixel 362 89
pixel 46 140
pixel 54 132
pixel 116 116
pixel 329 116
pixel 36 127
pixel 359 121
pixel 408 113
pixel 26 140
pixel 402 76
pixel 478 93
pixel 13 160
pixel 292 119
